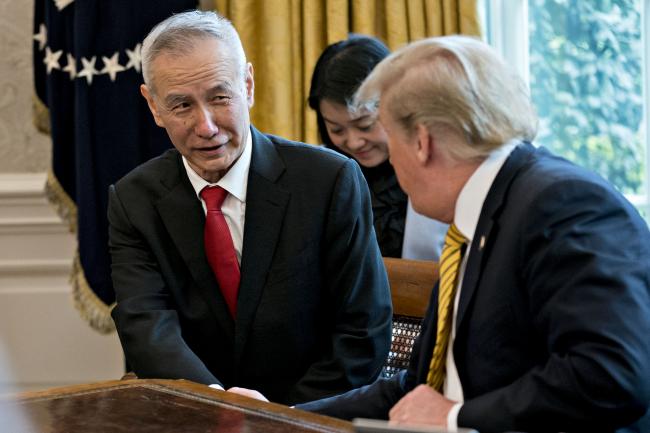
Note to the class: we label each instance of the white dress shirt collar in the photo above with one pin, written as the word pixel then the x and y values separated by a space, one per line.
pixel 468 210
pixel 471 197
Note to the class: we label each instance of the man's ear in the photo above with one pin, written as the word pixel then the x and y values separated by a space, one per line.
pixel 250 86
pixel 146 93
pixel 425 144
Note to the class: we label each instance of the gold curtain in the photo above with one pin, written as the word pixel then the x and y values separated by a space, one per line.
pixel 283 39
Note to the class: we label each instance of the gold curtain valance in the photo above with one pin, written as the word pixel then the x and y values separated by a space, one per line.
pixel 283 39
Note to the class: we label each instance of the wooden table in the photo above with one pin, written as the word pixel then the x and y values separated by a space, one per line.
pixel 156 406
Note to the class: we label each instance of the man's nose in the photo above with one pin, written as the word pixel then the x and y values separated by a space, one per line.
pixel 204 124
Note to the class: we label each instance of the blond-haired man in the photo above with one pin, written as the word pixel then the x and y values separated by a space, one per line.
pixel 548 305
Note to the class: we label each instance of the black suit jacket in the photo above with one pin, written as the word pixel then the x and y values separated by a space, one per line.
pixel 553 323
pixel 314 309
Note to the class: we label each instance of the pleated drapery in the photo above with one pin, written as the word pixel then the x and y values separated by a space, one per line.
pixel 283 39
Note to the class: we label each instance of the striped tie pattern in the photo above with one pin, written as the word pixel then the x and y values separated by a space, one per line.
pixel 449 264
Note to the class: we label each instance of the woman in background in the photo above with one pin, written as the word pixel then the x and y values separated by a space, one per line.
pixel 401 232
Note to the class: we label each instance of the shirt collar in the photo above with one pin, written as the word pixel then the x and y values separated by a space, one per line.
pixel 471 197
pixel 235 181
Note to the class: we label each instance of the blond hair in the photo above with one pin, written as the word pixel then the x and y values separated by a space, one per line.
pixel 453 82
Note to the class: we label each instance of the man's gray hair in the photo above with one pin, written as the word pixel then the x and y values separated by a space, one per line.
pixel 178 33
pixel 457 83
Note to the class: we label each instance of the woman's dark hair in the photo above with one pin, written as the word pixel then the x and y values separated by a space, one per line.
pixel 339 71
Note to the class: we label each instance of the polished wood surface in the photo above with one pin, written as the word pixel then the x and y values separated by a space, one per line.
pixel 158 406
pixel 411 282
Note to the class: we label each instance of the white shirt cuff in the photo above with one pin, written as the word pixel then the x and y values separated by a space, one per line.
pixel 452 417
pixel 217 386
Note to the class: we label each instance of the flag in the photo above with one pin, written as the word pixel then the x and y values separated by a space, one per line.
pixel 87 75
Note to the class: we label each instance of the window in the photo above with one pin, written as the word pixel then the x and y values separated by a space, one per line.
pixel 587 65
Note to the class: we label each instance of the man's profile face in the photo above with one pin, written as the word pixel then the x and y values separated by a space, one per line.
pixel 426 177
pixel 401 157
pixel 202 100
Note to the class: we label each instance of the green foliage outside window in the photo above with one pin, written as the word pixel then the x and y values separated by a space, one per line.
pixel 586 78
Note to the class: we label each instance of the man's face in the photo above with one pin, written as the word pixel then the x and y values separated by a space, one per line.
pixel 427 177
pixel 400 151
pixel 202 100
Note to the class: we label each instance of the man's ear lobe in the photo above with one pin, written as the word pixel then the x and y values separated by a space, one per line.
pixel 425 143
pixel 153 107
pixel 250 86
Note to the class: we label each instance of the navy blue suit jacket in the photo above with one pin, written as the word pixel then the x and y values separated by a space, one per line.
pixel 553 323
pixel 313 310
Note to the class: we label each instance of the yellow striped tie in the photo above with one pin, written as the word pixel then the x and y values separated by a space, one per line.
pixel 449 264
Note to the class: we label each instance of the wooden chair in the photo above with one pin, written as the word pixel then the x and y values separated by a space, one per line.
pixel 411 282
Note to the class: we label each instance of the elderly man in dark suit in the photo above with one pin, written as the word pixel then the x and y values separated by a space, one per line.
pixel 241 259
pixel 541 318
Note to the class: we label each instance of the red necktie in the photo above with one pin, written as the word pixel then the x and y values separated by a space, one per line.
pixel 219 247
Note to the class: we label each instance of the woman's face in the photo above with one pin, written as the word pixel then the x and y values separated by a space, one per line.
pixel 361 137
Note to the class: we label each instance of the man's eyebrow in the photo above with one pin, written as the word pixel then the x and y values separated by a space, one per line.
pixel 174 99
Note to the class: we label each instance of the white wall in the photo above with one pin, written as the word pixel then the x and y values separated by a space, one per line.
pixel 46 342
pixel 22 148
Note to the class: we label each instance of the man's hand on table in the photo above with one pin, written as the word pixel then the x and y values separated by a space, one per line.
pixel 251 393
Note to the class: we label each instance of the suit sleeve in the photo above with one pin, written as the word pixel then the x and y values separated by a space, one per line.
pixel 585 270
pixel 370 401
pixel 376 400
pixel 147 325
pixel 357 290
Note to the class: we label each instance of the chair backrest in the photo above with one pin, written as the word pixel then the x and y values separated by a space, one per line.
pixel 411 282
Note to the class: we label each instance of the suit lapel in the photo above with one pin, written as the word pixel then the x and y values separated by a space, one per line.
pixel 487 227
pixel 183 217
pixel 266 203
